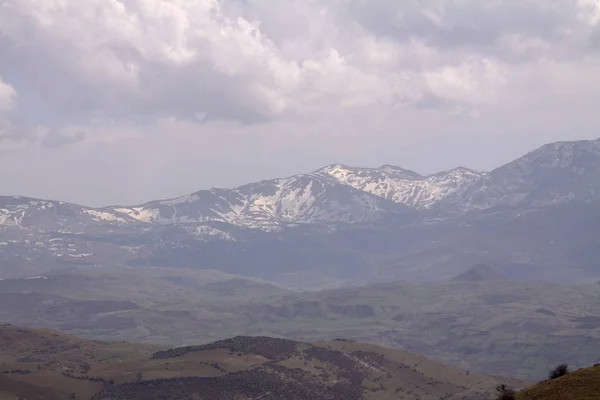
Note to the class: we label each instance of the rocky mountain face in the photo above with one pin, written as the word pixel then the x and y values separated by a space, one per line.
pixel 338 218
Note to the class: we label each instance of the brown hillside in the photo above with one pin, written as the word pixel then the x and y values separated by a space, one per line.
pixel 45 364
pixel 579 385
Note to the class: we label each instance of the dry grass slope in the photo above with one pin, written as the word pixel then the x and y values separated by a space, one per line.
pixel 579 385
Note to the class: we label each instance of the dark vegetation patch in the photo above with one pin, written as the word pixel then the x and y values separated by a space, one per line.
pixel 558 371
pixel 18 372
pixel 349 376
pixel 270 348
pixel 545 312
pixel 587 322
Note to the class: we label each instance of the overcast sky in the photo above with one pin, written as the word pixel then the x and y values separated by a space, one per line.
pixel 124 101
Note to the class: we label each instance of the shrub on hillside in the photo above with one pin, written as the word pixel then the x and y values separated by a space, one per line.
pixel 504 392
pixel 560 370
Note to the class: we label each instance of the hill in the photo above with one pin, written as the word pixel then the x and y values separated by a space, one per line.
pixel 49 365
pixel 478 273
pixel 583 384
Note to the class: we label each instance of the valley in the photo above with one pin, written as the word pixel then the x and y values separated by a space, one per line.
pixel 477 321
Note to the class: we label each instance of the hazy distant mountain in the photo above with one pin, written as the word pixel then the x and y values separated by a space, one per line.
pixel 553 174
pixel 349 224
pixel 45 215
pixel 269 204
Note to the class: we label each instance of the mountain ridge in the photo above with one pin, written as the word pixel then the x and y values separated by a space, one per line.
pixel 552 174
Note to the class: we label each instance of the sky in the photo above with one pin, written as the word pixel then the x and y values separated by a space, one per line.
pixel 125 101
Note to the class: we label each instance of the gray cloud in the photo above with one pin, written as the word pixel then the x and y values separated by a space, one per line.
pixel 55 138
pixel 201 87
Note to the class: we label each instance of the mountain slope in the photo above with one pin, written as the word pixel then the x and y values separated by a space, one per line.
pixel 553 174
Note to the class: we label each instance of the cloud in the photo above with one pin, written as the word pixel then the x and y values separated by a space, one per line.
pixel 7 96
pixel 309 81
pixel 248 61
pixel 55 138
pixel 7 104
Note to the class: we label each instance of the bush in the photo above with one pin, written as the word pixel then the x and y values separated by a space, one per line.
pixel 504 392
pixel 560 370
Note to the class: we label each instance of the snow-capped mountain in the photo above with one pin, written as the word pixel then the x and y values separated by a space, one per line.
pixel 404 186
pixel 554 174
pixel 300 199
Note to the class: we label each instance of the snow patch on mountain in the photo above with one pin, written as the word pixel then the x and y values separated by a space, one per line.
pixel 140 213
pixel 403 186
pixel 205 232
pixel 104 216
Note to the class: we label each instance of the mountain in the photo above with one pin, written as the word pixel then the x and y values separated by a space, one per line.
pixel 49 365
pixel 557 173
pixel 403 186
pixel 301 199
pixel 46 215
pixel 341 225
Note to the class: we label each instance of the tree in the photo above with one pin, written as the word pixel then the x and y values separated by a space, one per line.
pixel 560 370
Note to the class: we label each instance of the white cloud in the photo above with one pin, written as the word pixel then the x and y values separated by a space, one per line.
pixel 7 96
pixel 152 57
pixel 361 79
pixel 7 105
